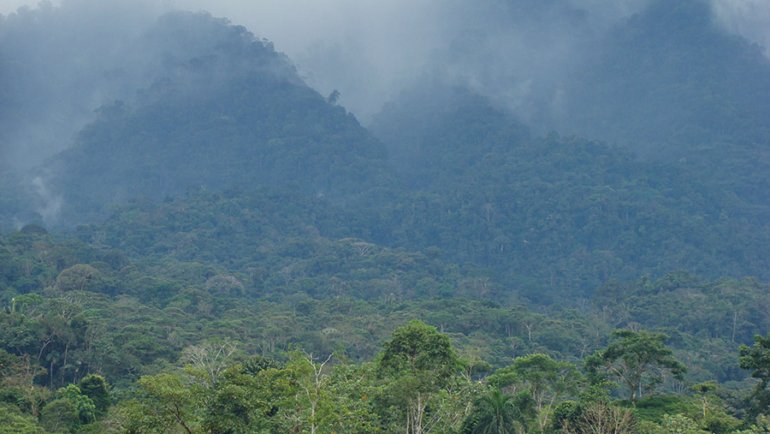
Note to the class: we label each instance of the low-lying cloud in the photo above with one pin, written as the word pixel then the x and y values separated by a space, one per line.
pixel 748 18
pixel 60 63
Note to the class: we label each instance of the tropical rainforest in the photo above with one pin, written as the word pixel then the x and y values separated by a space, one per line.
pixel 195 239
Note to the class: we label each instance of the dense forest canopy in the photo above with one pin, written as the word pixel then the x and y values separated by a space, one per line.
pixel 195 239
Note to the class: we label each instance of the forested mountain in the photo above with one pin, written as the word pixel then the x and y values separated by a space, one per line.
pixel 221 249
pixel 671 84
pixel 563 211
pixel 227 112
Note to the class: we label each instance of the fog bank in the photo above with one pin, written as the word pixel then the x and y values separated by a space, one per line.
pixel 61 60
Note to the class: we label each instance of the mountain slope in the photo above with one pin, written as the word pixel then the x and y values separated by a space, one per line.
pixel 227 112
pixel 670 83
pixel 560 213
pixel 231 113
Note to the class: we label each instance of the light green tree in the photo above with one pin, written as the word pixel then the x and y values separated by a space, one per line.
pixel 637 360
pixel 168 403
pixel 679 424
pixel 757 359
pixel 68 411
pixel 417 362
pixel 13 421
pixel 548 381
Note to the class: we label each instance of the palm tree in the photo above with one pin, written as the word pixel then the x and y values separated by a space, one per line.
pixel 498 413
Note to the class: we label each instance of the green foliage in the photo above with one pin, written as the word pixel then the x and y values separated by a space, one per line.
pixel 256 364
pixel 79 277
pixel 86 409
pixel 637 360
pixel 95 387
pixel 654 408
pixel 762 425
pixel 416 362
pixel 12 421
pixel 129 416
pixel 524 251
pixel 498 413
pixel 322 398
pixel 240 402
pixel 169 403
pixel 678 424
pixel 419 350
pixel 757 359
pixel 49 329
pixel 546 380
pixel 60 416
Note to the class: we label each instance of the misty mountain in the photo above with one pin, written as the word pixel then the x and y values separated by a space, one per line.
pixel 670 83
pixel 436 133
pixel 227 112
pixel 59 64
pixel 571 211
pixel 204 242
pixel 456 171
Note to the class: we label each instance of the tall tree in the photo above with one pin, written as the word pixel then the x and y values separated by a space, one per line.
pixel 417 361
pixel 546 380
pixel 757 359
pixel 96 388
pixel 169 403
pixel 637 360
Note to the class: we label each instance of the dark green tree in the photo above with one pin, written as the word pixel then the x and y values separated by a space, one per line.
pixel 95 387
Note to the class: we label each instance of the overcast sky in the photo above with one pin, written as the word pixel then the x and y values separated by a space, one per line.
pixel 370 49
pixel 296 23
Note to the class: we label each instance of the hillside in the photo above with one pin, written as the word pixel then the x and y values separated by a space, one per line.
pixel 563 210
pixel 227 112
pixel 671 85
pixel 221 249
pixel 80 308
pixel 453 171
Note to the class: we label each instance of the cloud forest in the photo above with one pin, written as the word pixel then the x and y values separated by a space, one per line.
pixel 457 217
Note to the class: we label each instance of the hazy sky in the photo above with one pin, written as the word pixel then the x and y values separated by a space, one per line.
pixel 369 49
pixel 7 6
